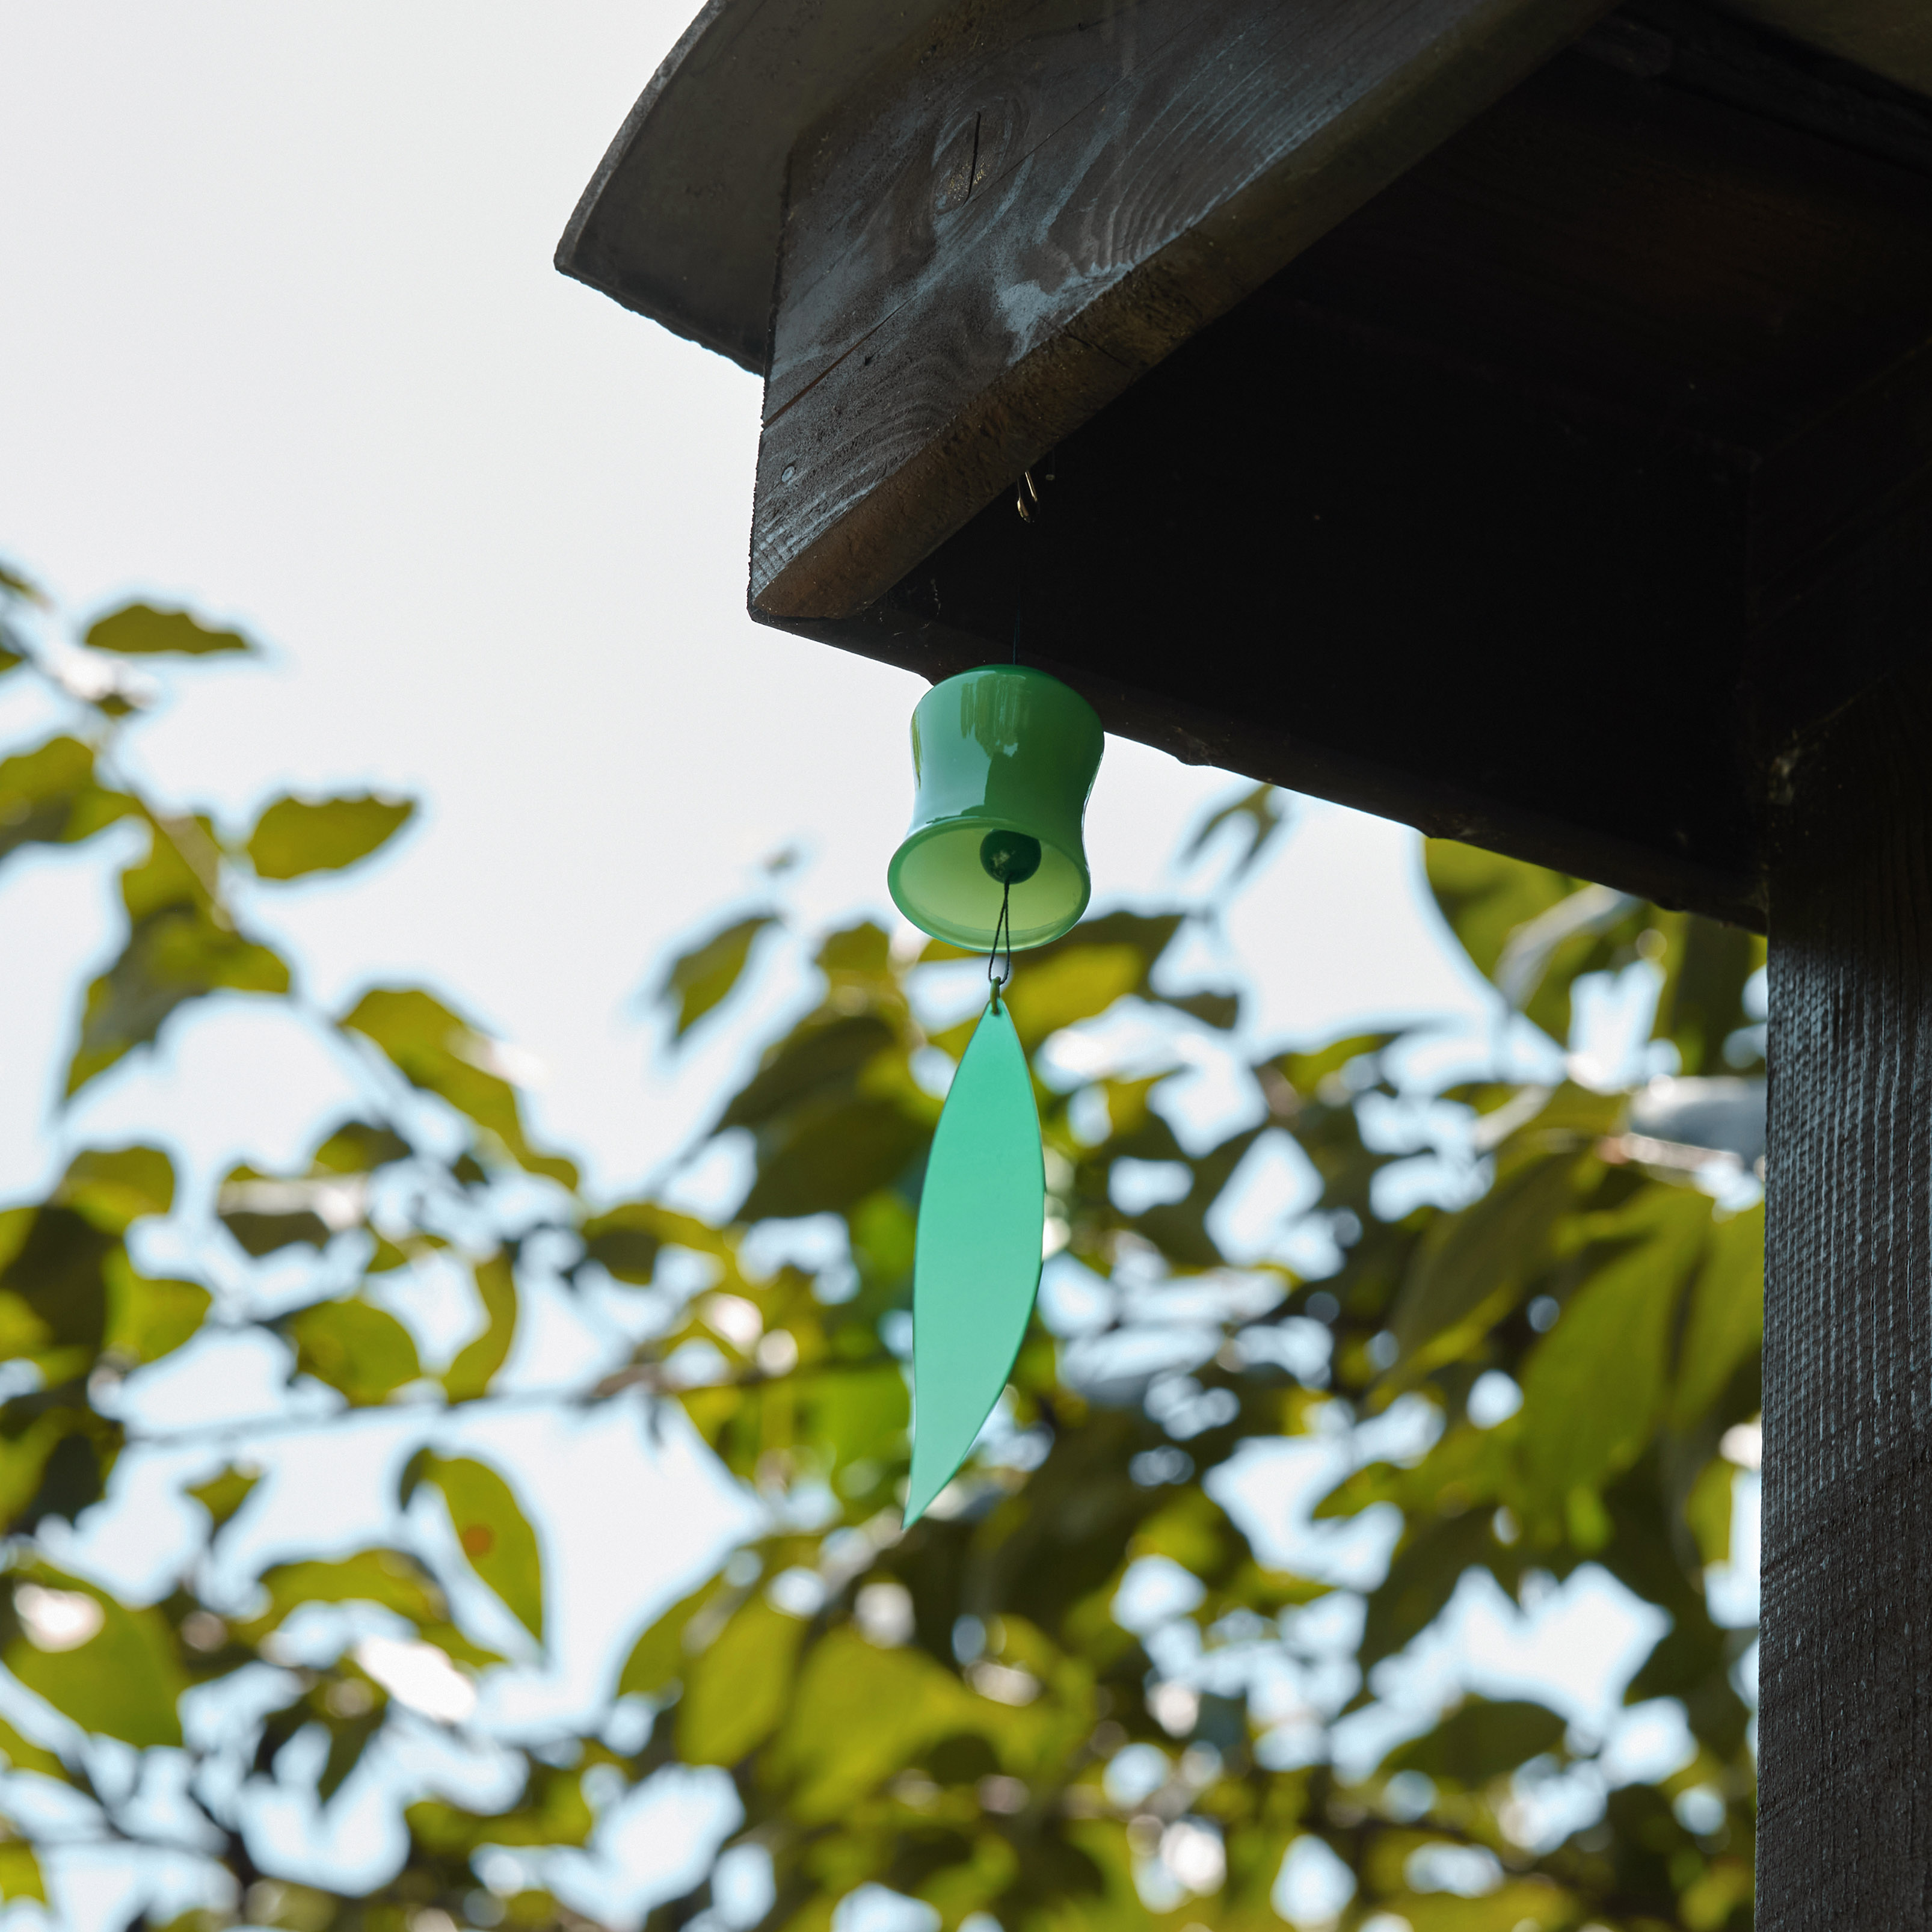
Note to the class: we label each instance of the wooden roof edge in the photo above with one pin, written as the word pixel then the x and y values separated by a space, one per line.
pixel 1732 892
pixel 680 221
pixel 1891 38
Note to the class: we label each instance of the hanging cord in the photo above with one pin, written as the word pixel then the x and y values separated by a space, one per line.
pixel 1003 924
pixel 1027 501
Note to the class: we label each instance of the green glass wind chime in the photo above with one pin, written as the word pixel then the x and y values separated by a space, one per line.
pixel 1003 758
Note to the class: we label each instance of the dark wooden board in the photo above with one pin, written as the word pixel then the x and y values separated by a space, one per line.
pixel 1845 1823
pixel 1152 162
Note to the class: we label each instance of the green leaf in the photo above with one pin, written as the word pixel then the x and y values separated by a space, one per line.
pixel 1421 1581
pixel 143 630
pixel 113 1186
pixel 173 956
pixel 258 1234
pixel 735 1691
pixel 1531 930
pixel 658 1657
pixel 349 1737
pixel 435 1049
pixel 357 1147
pixel 265 1214
pixel 493 1532
pixel 297 836
pixel 362 1351
pixel 1707 1510
pixel 53 1289
pixel 552 1811
pixel 222 1495
pixel 1706 968
pixel 1481 1741
pixel 17 585
pixel 1222 1010
pixel 48 796
pixel 1260 814
pixel 121 1682
pixel 20 1872
pixel 701 979
pixel 149 1319
pixel 857 1412
pixel 828 1155
pixel 626 1240
pixel 470 1375
pixel 392 1579
pixel 1726 1324
pixel 858 1714
pixel 1077 983
pixel 23 1754
pixel 1593 1387
pixel 1464 1280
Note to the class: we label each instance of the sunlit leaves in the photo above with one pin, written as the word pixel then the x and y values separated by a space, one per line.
pixel 222 1495
pixel 1257 818
pixel 23 1754
pixel 1474 1268
pixel 699 980
pixel 551 1811
pixel 737 1689
pixel 295 836
pixel 359 1350
pixel 150 1318
pixel 435 1049
pixel 49 795
pixel 143 630
pixel 1725 1327
pixel 470 1376
pixel 116 1673
pixel 657 1655
pixel 1593 1387
pixel 860 1713
pixel 20 1875
pixel 491 1529
pixel 181 947
pixel 112 1187
pixel 392 1579
pixel 931 1711
pixel 1481 1741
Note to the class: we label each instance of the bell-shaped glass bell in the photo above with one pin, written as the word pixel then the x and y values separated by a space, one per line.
pixel 1004 758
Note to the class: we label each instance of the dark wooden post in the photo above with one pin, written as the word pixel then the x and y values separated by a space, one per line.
pixel 1846 1742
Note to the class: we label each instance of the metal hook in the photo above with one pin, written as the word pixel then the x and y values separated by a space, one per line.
pixel 1004 923
pixel 1024 488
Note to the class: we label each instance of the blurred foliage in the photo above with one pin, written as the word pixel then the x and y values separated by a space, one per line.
pixel 1539 1375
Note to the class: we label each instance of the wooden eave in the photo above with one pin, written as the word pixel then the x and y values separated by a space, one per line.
pixel 1511 417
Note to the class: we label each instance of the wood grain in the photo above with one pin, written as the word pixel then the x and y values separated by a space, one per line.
pixel 1149 165
pixel 1845 1831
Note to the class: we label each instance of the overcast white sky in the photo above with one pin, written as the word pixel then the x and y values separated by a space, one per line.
pixel 282 341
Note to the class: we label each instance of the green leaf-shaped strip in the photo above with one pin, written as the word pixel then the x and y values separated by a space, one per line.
pixel 976 1266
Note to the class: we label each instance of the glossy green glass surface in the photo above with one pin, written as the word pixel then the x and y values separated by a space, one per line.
pixel 1001 748
pixel 977 1257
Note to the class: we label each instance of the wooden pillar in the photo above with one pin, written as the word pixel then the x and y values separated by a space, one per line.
pixel 1845 1740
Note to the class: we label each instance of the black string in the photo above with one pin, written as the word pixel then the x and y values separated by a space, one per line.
pixel 1003 923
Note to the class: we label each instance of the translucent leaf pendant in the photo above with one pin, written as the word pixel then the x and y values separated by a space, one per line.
pixel 977 1260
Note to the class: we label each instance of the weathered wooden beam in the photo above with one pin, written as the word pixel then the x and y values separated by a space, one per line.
pixel 1845 1743
pixel 1031 206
